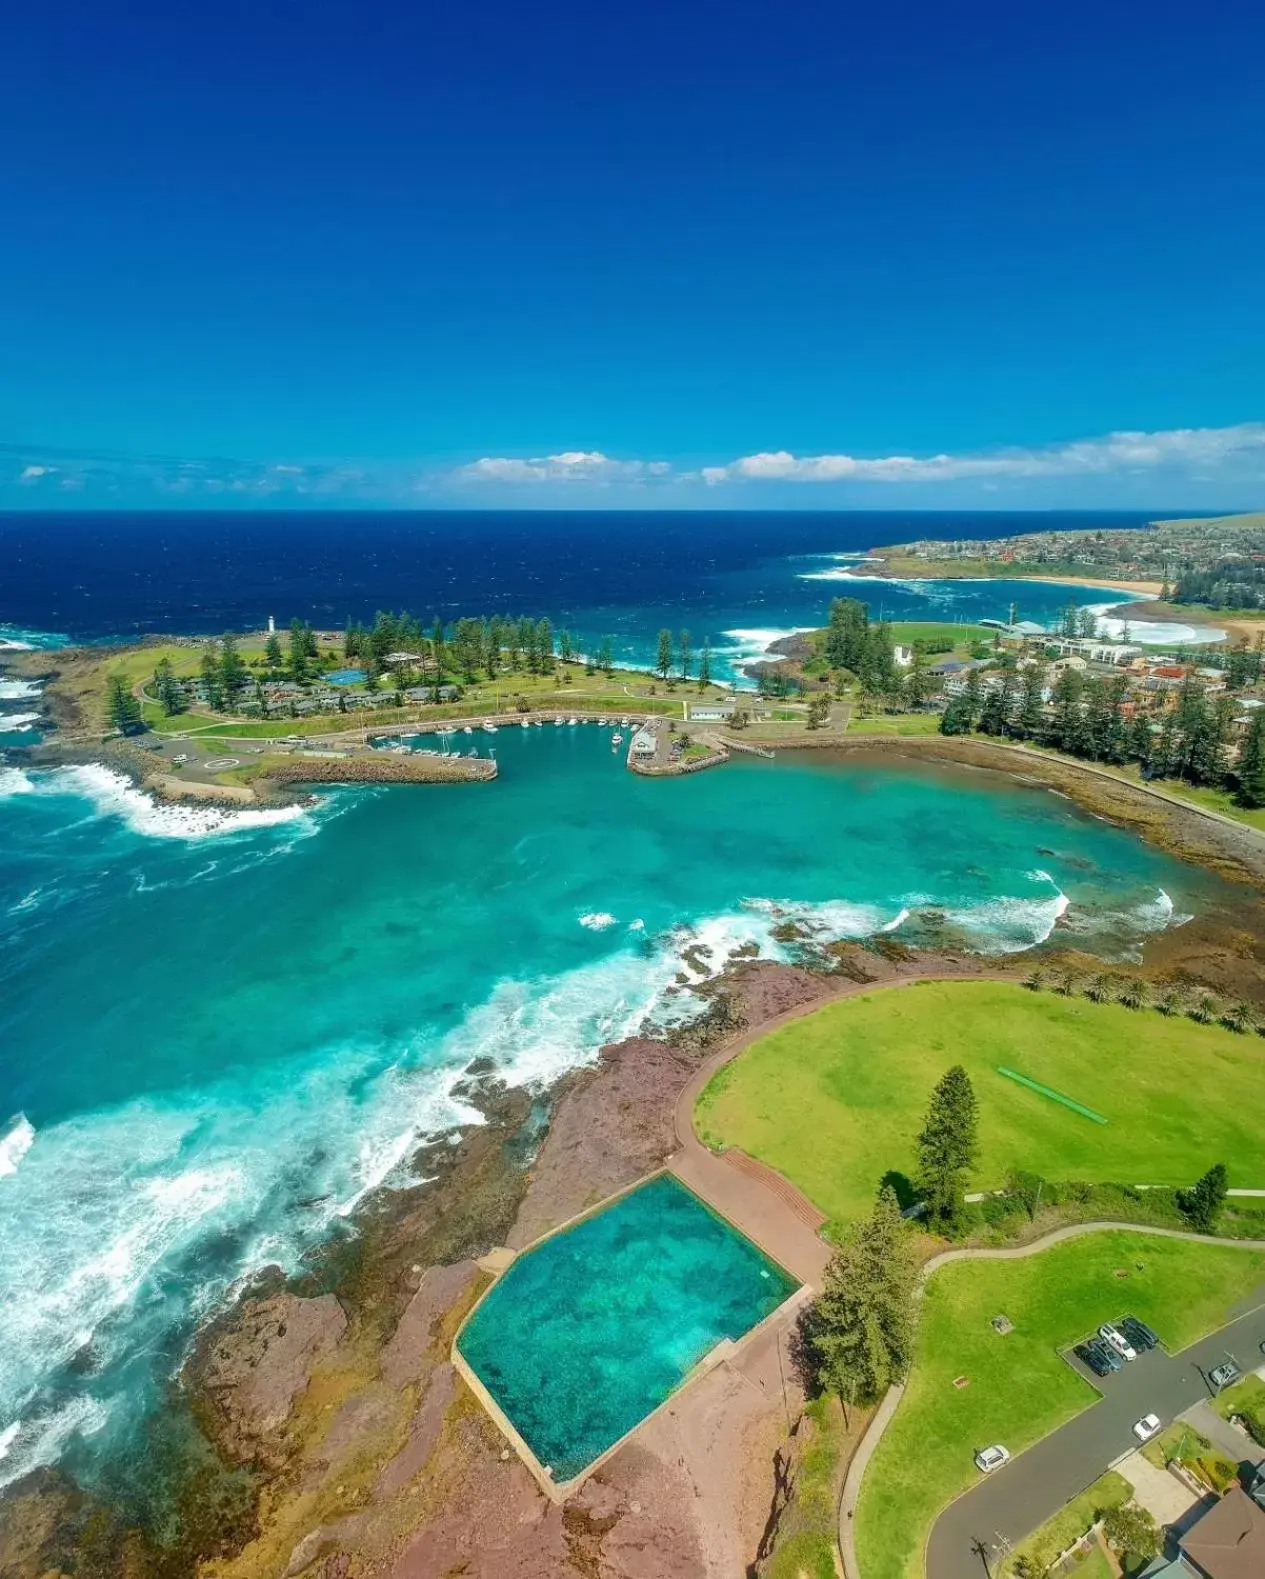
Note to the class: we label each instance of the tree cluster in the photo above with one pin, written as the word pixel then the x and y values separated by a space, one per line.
pixel 864 649
pixel 858 1334
pixel 1231 584
pixel 1201 1204
pixel 1091 718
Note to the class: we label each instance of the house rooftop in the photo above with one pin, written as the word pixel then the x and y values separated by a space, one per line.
pixel 1229 1541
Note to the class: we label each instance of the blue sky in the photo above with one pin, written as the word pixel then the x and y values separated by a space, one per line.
pixel 800 254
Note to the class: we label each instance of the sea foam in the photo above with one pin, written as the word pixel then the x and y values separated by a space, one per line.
pixel 15 1143
pixel 114 795
pixel 13 781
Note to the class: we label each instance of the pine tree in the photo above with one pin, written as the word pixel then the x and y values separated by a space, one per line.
pixel 122 708
pixel 663 662
pixel 168 689
pixel 1202 1203
pixel 972 696
pixel 272 654
pixel 956 718
pixel 705 664
pixel 564 646
pixel 298 652
pixel 916 685
pixel 858 1334
pixel 211 680
pixel 1031 716
pixel 437 653
pixel 1251 765
pixel 684 653
pixel 233 674
pixel 947 1146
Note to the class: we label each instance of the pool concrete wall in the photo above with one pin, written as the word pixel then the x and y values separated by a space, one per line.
pixel 500 1260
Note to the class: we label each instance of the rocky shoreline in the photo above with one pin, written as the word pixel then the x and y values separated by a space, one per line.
pixel 317 1426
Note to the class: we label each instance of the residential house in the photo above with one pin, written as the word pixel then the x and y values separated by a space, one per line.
pixel 1229 1541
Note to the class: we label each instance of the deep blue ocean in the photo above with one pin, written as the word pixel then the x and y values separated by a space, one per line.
pixel 218 1031
pixel 740 578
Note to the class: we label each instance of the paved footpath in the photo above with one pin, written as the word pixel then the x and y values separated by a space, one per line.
pixel 1014 1501
pixel 983 1502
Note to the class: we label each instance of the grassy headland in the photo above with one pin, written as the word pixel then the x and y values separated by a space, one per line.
pixel 835 1100
pixel 1018 1388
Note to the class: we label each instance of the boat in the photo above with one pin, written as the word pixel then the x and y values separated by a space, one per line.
pixel 573 720
pixel 526 724
pixel 539 724
pixel 623 723
pixel 489 729
pixel 467 730
pixel 617 740
pixel 557 723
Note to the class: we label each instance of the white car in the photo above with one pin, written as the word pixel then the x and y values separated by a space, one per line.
pixel 1118 1341
pixel 1146 1427
pixel 991 1458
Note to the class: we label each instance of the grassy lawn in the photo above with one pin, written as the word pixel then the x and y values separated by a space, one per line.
pixel 1019 1389
pixel 1070 1523
pixel 836 1099
pixel 931 633
pixel 807 1538
pixel 896 724
pixel 1095 1566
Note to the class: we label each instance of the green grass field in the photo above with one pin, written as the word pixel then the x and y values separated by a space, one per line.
pixel 1018 1388
pixel 836 1099
pixel 933 632
pixel 896 724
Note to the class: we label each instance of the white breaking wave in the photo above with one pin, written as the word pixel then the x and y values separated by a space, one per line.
pixel 13 781
pixel 1009 926
pixel 17 690
pixel 748 645
pixel 114 795
pixel 598 920
pixel 15 1144
pixel 915 584
pixel 18 720
pixel 8 1436
pixel 1152 633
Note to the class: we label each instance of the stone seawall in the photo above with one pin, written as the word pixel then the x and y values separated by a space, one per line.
pixel 381 768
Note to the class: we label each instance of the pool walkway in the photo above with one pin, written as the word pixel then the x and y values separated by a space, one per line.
pixel 763 1203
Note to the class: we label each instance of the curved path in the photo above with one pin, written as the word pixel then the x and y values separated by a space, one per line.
pixel 762 1202
pixel 883 1416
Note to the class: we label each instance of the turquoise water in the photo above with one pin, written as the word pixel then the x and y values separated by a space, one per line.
pixel 345 676
pixel 218 1031
pixel 582 1338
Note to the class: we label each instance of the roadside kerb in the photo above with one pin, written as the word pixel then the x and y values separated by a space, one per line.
pixel 874 1432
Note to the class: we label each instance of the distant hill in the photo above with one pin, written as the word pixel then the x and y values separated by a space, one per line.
pixel 1251 520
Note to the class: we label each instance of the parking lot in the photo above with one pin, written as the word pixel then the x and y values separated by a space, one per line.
pixel 1012 1502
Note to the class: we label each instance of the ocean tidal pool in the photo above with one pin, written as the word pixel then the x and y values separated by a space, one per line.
pixel 590 1332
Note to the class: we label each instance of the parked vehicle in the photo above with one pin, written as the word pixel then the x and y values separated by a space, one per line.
pixel 1146 1427
pixel 1113 1360
pixel 1222 1375
pixel 1090 1354
pixel 1118 1341
pixel 991 1458
pixel 1139 1334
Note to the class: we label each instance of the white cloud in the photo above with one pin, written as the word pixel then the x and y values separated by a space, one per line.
pixel 567 466
pixel 1115 452
pixel 32 474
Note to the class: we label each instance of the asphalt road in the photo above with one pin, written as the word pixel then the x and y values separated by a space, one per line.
pixel 1012 1502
